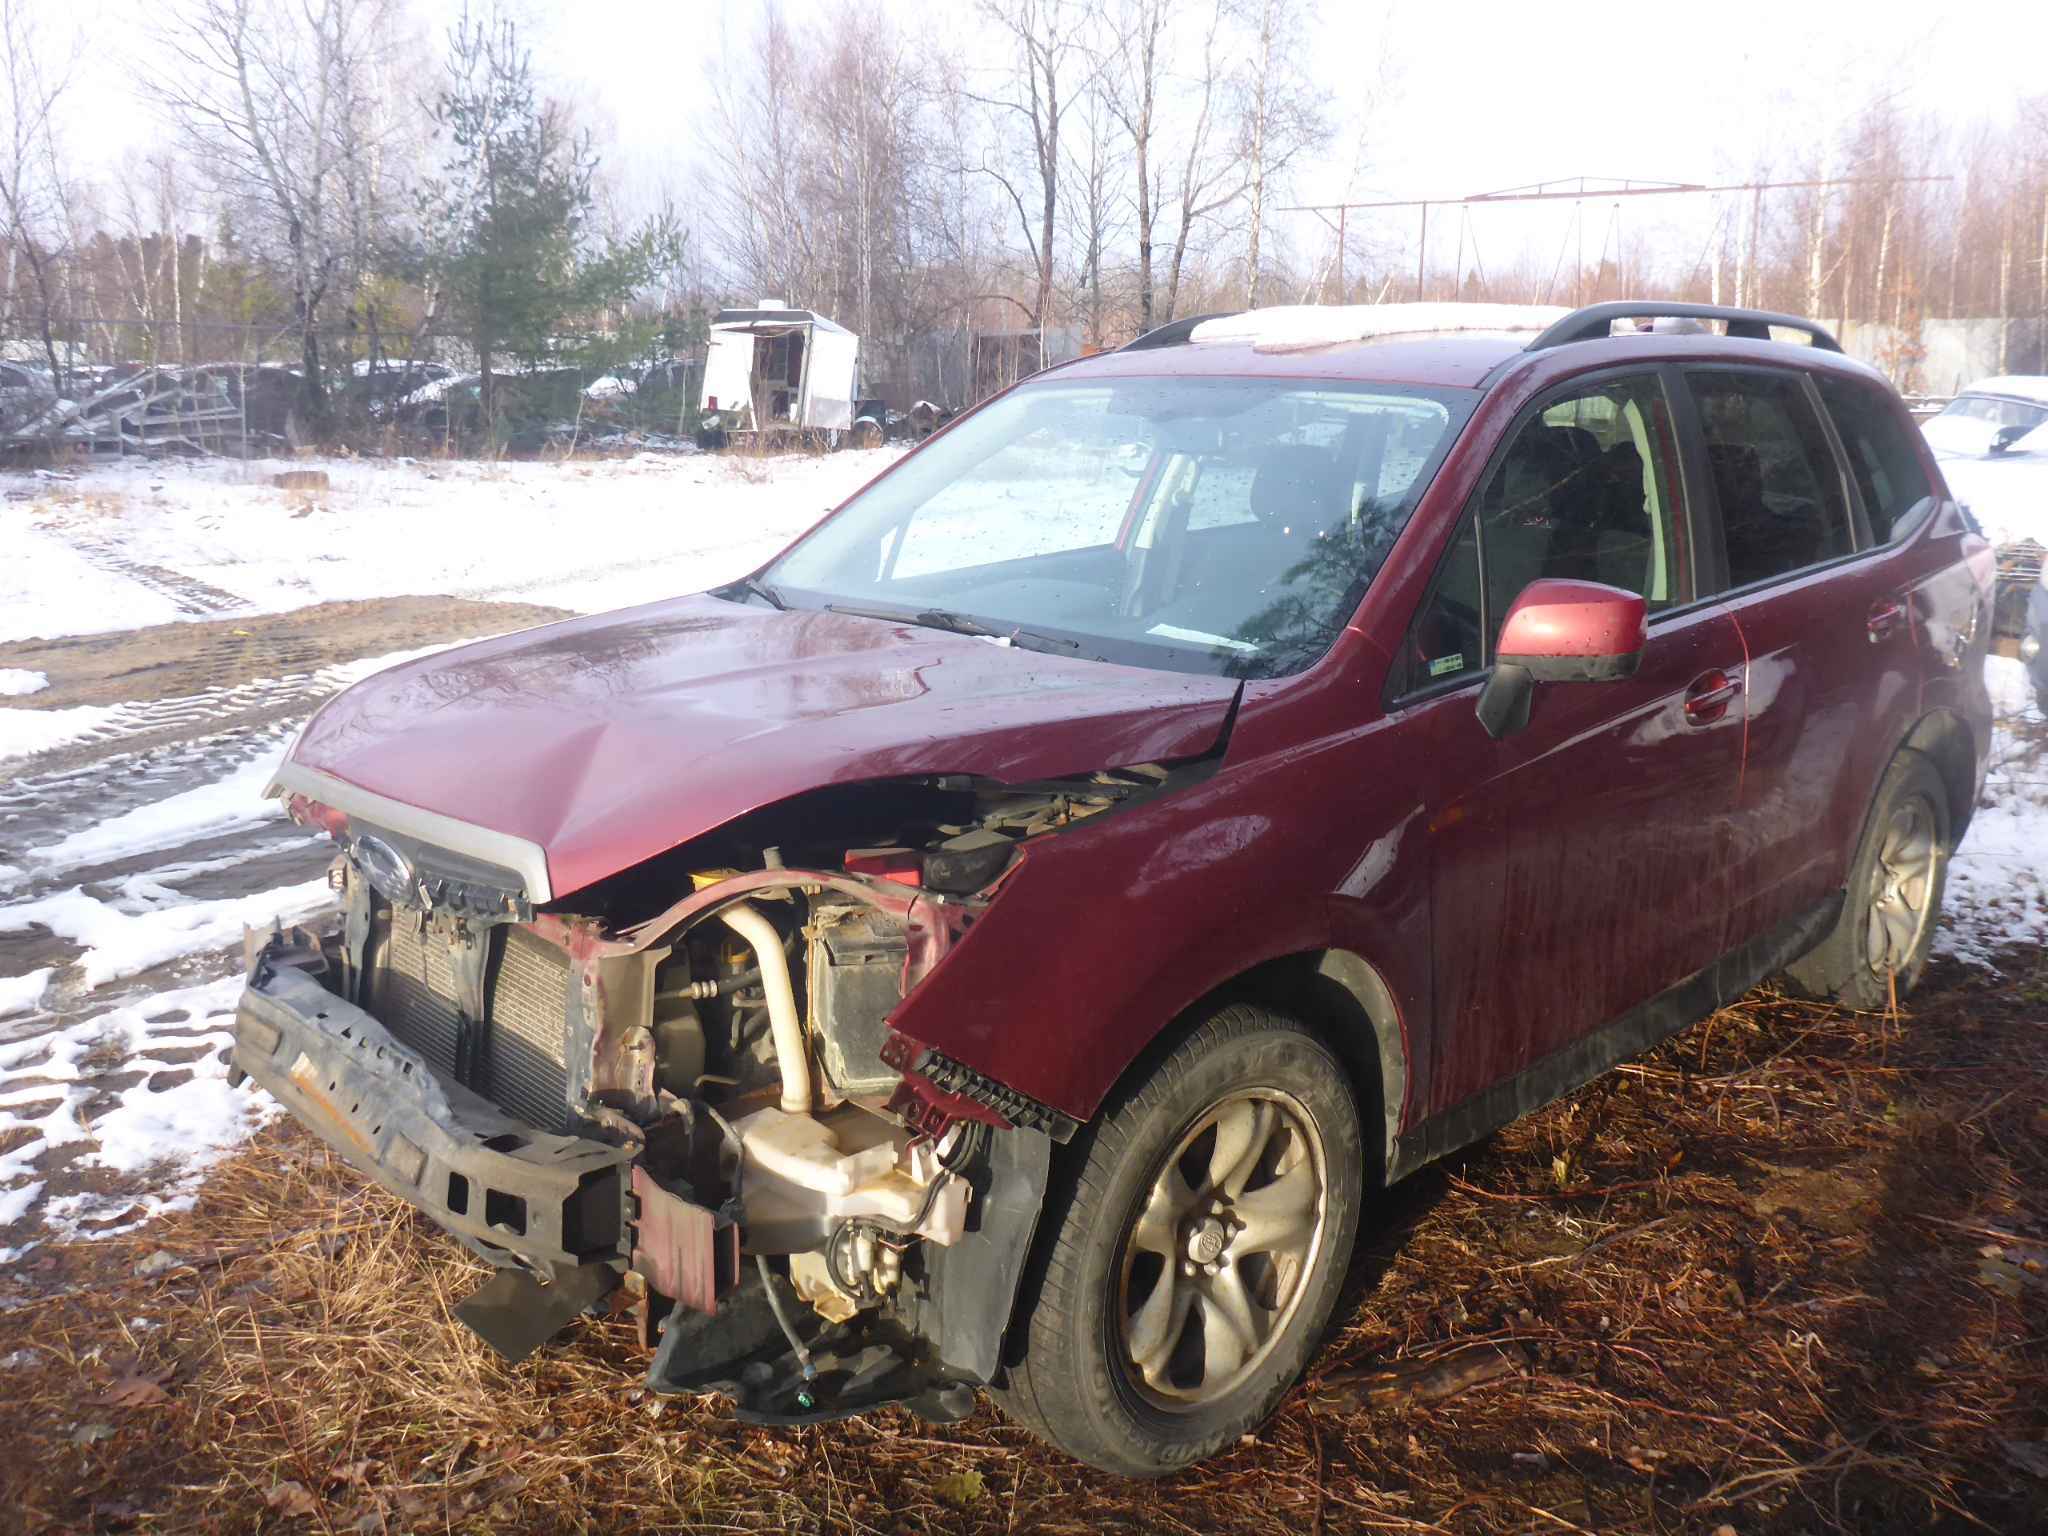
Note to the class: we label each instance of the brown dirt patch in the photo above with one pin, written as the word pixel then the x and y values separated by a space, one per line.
pixel 174 660
pixel 1774 1275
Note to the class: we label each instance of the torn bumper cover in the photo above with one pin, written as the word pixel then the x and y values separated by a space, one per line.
pixel 550 1204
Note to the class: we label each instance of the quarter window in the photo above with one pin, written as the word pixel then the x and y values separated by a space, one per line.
pixel 1882 456
pixel 1774 475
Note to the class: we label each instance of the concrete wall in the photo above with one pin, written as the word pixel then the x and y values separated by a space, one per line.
pixel 1947 355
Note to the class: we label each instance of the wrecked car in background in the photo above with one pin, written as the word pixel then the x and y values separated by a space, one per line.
pixel 1006 940
pixel 1992 444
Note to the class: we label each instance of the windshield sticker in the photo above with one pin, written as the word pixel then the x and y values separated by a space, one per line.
pixel 1175 632
pixel 1443 666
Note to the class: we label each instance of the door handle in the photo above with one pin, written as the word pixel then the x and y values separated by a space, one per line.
pixel 1709 696
pixel 1886 615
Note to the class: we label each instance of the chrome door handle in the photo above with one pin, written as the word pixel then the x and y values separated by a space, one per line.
pixel 1708 698
pixel 1884 618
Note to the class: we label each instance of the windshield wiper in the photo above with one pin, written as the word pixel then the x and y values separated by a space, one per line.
pixel 958 624
pixel 762 590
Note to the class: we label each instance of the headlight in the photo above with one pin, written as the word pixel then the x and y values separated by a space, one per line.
pixel 389 872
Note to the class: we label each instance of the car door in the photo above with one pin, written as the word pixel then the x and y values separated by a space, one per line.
pixel 1579 867
pixel 1827 622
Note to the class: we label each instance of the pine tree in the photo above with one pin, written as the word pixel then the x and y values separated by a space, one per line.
pixel 508 222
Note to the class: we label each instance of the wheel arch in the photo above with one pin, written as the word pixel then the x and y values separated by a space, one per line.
pixel 1344 998
pixel 1945 739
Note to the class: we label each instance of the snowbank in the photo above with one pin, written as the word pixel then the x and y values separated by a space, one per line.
pixel 15 683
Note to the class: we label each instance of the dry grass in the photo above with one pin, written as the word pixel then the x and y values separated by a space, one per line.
pixel 1775 1275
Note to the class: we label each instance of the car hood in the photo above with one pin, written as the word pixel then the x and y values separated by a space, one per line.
pixel 2008 494
pixel 603 741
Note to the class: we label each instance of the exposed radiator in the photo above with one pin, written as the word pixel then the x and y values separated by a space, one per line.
pixel 519 1063
pixel 527 1006
pixel 412 991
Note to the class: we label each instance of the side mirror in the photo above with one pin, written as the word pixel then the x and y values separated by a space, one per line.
pixel 1561 631
pixel 2005 437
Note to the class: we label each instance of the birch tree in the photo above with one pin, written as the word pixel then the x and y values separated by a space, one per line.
pixel 34 212
pixel 1282 116
pixel 276 98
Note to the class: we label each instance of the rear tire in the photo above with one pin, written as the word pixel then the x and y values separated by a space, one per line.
pixel 1893 904
pixel 1187 1268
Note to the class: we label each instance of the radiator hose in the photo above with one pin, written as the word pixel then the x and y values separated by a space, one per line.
pixel 783 1023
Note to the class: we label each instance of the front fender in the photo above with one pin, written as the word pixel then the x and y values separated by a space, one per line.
pixel 1101 936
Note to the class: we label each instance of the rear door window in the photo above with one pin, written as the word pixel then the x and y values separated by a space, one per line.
pixel 1882 456
pixel 1773 472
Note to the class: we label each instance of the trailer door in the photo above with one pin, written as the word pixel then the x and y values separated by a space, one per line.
pixel 833 379
pixel 728 370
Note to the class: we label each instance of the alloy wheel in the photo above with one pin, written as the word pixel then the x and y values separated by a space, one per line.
pixel 1902 881
pixel 1216 1258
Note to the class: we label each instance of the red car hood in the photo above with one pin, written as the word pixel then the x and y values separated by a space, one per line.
pixel 603 741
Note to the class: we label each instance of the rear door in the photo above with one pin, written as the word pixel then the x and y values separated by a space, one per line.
pixel 1826 617
pixel 1579 866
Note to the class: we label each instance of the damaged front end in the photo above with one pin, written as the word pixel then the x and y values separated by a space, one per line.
pixel 680 1085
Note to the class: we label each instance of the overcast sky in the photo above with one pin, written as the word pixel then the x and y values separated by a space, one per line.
pixel 1490 95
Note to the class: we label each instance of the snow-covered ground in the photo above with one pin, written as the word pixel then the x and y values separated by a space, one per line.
pixel 128 544
pixel 1997 893
pixel 121 917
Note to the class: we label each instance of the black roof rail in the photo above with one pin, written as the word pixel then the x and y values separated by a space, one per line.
pixel 1593 322
pixel 1174 332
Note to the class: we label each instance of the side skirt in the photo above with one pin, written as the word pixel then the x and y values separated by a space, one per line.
pixel 1630 1035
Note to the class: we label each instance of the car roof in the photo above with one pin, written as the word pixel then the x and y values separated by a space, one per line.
pixel 2013 386
pixel 1454 346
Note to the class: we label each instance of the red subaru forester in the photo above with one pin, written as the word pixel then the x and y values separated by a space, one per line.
pixel 1006 940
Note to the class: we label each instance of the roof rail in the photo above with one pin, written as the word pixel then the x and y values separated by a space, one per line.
pixel 1592 322
pixel 1174 332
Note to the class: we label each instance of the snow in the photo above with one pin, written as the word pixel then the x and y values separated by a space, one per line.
pixel 15 683
pixel 1997 894
pixel 1316 325
pixel 579 534
pixel 147 923
pixel 18 994
pixel 24 732
pixel 2007 493
pixel 173 1133
pixel 209 810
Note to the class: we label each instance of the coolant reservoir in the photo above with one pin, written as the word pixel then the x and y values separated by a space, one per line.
pixel 805 1174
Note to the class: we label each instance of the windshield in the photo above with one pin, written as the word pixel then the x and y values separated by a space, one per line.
pixel 1995 411
pixel 1207 525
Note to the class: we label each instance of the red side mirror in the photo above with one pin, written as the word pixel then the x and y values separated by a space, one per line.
pixel 1561 631
pixel 1574 631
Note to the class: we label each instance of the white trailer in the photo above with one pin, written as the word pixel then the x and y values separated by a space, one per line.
pixel 772 370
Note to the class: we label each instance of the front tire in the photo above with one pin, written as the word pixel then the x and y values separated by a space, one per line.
pixel 1187 1270
pixel 1893 901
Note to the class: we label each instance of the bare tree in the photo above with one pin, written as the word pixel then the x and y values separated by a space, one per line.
pixel 33 193
pixel 1282 116
pixel 1048 43
pixel 1140 48
pixel 1209 177
pixel 278 97
pixel 1092 205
